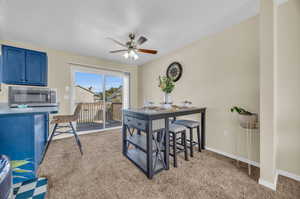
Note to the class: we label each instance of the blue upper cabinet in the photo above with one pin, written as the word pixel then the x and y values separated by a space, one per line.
pixel 13 64
pixel 23 67
pixel 36 68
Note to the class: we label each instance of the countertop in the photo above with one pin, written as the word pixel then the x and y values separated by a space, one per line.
pixel 5 109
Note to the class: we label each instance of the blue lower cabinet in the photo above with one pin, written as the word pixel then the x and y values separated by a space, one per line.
pixel 40 125
pixel 22 139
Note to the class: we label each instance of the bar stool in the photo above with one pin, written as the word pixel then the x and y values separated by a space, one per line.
pixel 190 124
pixel 174 130
pixel 65 121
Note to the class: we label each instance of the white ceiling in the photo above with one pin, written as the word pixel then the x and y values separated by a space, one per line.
pixel 82 26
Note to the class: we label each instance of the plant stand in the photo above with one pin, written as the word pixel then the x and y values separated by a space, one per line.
pixel 249 125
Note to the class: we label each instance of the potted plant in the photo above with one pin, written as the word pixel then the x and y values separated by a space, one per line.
pixel 167 86
pixel 247 119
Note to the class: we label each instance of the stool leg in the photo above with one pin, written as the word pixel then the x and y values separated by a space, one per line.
pixel 199 138
pixel 191 142
pixel 183 136
pixel 158 136
pixel 76 138
pixel 48 142
pixel 174 149
pixel 182 141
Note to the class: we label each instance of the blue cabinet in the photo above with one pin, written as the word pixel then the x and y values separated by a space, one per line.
pixel 23 67
pixel 13 71
pixel 36 68
pixel 40 136
pixel 23 137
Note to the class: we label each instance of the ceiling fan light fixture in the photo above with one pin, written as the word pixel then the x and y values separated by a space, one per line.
pixel 132 47
pixel 126 55
pixel 132 53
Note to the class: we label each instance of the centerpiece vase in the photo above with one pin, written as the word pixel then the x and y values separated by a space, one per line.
pixel 167 98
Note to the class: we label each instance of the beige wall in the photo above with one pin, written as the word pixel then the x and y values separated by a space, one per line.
pixel 219 71
pixel 223 70
pixel 59 73
pixel 288 92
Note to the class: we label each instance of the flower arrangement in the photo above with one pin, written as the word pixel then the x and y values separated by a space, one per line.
pixel 166 84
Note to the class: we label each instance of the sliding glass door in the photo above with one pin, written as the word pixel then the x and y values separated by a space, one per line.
pixel 89 92
pixel 102 96
pixel 114 101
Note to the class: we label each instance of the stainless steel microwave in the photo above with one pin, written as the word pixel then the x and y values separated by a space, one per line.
pixel 32 96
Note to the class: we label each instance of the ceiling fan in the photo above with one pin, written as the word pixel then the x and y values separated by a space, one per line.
pixel 132 47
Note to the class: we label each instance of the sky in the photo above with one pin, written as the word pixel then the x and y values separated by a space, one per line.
pixel 95 80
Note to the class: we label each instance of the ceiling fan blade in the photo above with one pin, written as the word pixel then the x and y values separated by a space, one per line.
pixel 117 42
pixel 147 51
pixel 141 40
pixel 118 51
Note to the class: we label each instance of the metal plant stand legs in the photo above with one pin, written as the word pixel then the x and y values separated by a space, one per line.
pixel 249 132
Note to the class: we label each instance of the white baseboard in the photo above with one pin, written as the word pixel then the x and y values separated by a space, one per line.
pixel 268 184
pixel 242 159
pixel 261 181
pixel 288 174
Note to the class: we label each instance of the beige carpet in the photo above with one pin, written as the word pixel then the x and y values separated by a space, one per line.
pixel 103 172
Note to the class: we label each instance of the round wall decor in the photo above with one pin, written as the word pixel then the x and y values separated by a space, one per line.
pixel 174 71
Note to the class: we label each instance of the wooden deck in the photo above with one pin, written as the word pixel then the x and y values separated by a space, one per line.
pixel 92 116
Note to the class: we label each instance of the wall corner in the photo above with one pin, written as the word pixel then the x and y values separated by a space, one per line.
pixel 270 185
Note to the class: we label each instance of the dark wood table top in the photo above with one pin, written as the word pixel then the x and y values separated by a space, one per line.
pixel 159 112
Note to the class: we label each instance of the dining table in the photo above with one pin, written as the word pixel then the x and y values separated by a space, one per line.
pixel 145 135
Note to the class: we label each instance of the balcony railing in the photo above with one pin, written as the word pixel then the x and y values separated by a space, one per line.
pixel 91 115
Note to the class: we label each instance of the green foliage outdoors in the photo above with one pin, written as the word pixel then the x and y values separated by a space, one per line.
pixel 112 95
